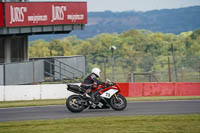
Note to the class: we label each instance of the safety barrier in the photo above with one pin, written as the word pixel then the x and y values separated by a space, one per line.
pixel 160 89
pixel 58 91
pixel 124 89
pixel 33 92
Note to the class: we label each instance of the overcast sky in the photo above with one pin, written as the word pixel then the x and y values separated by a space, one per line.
pixel 137 5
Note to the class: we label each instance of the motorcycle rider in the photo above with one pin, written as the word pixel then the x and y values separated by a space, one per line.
pixel 91 82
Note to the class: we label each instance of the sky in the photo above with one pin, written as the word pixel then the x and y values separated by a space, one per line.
pixel 136 5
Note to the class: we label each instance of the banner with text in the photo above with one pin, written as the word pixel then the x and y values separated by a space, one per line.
pixel 45 13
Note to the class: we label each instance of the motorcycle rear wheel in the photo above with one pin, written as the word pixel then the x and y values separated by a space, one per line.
pixel 73 104
pixel 118 102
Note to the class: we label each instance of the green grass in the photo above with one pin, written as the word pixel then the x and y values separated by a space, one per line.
pixel 31 103
pixel 123 124
pixel 62 101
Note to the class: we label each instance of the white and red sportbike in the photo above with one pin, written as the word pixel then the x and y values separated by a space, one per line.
pixel 106 96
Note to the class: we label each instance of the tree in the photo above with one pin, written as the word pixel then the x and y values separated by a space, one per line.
pixel 56 48
pixel 39 48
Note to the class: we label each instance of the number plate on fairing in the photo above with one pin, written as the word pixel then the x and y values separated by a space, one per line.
pixel 109 93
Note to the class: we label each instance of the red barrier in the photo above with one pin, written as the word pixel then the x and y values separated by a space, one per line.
pixel 187 89
pixel 160 89
pixel 136 89
pixel 124 89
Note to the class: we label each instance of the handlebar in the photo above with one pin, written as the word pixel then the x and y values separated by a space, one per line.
pixel 110 84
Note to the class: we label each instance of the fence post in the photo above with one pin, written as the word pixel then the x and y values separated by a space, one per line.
pixel 4 74
pixel 174 62
pixel 113 60
pixel 132 78
pixel 169 70
pixel 33 63
pixel 104 62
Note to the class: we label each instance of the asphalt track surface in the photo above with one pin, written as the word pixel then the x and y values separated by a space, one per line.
pixel 133 108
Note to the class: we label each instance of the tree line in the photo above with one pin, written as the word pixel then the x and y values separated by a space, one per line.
pixel 137 50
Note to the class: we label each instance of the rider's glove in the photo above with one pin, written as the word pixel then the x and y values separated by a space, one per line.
pixel 94 85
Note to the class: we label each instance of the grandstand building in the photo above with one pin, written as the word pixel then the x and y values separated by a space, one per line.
pixel 21 18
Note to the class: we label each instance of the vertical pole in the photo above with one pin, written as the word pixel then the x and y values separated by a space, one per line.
pixel 169 70
pixel 4 74
pixel 112 48
pixel 174 62
pixel 182 74
pixel 132 79
pixel 33 63
pixel 105 76
pixel 112 65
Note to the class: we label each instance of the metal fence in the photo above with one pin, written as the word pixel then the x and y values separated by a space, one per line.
pixel 22 73
pixel 42 69
pixel 148 68
pixel 1 74
pixel 63 67
pixel 75 66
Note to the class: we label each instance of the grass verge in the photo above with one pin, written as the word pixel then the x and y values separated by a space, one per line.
pixel 32 103
pixel 62 101
pixel 123 124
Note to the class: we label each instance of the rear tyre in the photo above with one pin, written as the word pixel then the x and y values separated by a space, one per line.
pixel 118 102
pixel 74 104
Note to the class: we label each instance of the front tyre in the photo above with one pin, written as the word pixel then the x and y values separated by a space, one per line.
pixel 118 102
pixel 74 104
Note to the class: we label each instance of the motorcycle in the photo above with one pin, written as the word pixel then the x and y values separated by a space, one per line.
pixel 105 97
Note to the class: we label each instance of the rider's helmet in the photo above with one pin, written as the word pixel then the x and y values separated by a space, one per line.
pixel 96 71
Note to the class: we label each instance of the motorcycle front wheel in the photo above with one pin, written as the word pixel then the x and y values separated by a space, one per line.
pixel 74 104
pixel 118 102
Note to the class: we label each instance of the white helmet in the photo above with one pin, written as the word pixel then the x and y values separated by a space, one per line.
pixel 96 71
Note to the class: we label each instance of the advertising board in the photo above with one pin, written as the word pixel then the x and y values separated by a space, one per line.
pixel 1 14
pixel 45 13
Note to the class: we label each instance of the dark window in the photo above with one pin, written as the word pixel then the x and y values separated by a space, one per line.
pixel 2 51
pixel 17 50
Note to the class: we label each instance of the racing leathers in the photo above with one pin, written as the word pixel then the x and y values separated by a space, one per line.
pixel 91 82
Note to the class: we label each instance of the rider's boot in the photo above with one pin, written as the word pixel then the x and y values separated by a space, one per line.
pixel 90 96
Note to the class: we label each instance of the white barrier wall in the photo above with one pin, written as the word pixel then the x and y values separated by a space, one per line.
pixel 34 92
pixel 56 91
pixel 22 92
